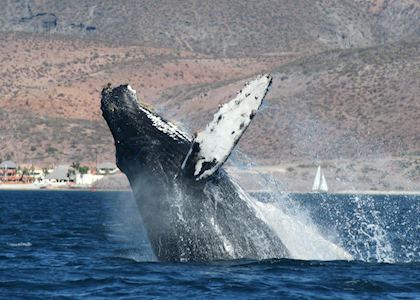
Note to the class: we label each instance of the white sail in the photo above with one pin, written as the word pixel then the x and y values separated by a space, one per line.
pixel 317 180
pixel 323 186
pixel 320 183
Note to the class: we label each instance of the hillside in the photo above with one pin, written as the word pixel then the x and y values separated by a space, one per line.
pixel 227 28
pixel 338 104
pixel 346 78
pixel 60 90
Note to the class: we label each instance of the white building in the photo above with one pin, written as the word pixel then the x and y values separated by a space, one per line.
pixel 107 168
pixel 61 174
pixel 87 179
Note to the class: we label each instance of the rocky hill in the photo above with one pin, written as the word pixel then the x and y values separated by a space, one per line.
pixel 224 27
pixel 338 104
pixel 346 76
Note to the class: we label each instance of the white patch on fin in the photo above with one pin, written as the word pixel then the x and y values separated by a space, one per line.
pixel 222 134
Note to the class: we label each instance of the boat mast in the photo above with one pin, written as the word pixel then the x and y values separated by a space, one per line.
pixel 323 187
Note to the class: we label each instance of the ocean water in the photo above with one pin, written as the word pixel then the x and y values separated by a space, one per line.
pixel 91 245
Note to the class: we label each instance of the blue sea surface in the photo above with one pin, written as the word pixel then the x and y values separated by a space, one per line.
pixel 92 245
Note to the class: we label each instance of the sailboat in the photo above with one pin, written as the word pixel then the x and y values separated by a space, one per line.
pixel 320 183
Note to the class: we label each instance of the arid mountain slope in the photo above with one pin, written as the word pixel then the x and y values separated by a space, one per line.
pixel 61 88
pixel 346 77
pixel 338 104
pixel 222 27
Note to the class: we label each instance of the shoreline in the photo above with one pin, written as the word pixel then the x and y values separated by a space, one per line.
pixel 379 193
pixel 31 187
pixel 348 192
pixel 65 190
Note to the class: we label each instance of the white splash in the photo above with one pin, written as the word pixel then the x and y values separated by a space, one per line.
pixel 300 235
pixel 296 230
pixel 226 244
pixel 291 222
pixel 370 240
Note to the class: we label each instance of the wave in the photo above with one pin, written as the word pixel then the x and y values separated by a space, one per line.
pixel 20 244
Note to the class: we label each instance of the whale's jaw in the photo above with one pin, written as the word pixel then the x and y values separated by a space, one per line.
pixel 187 218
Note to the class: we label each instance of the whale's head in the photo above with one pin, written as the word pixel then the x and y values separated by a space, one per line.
pixel 143 139
pixel 150 151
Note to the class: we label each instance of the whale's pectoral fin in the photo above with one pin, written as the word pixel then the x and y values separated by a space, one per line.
pixel 212 147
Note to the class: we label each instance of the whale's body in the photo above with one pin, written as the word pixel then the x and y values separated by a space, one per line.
pixel 191 209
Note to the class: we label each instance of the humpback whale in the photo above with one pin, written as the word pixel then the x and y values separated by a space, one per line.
pixel 191 208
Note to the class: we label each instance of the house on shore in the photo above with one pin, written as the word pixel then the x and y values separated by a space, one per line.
pixel 37 174
pixel 8 171
pixel 87 179
pixel 61 174
pixel 8 168
pixel 107 168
